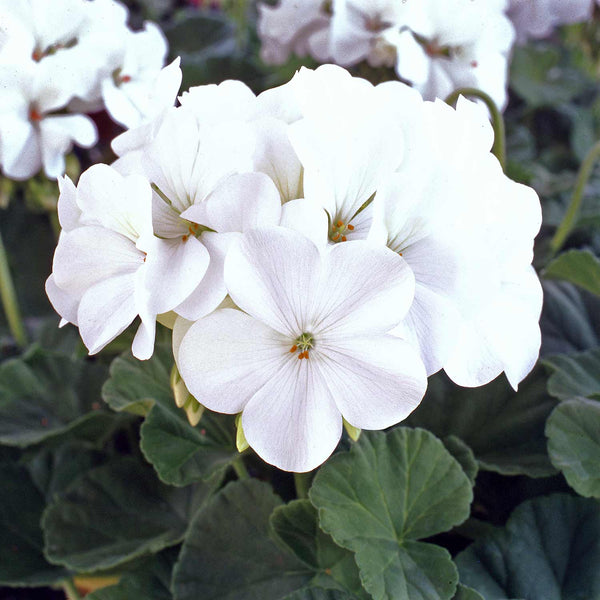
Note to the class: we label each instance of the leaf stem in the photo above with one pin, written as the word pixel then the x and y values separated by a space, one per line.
pixel 570 218
pixel 9 300
pixel 70 590
pixel 499 147
pixel 302 482
pixel 240 468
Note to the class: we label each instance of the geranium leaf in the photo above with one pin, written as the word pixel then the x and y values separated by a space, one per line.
pixel 150 582
pixel 295 526
pixel 466 593
pixel 45 394
pixel 574 375
pixel 180 453
pixel 22 561
pixel 389 491
pixel 580 267
pixel 319 594
pixel 573 431
pixel 550 549
pixel 503 428
pixel 464 455
pixel 115 513
pixel 228 554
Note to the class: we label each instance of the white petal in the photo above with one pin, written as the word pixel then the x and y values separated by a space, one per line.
pixel 87 255
pixel 174 269
pixel 364 289
pixel 64 304
pixel 376 381
pixel 240 203
pixel 143 342
pixel 272 274
pixel 308 218
pixel 69 213
pixel 275 157
pixel 292 422
pixel 505 336
pixel 211 291
pixel 106 310
pixel 123 204
pixel 226 357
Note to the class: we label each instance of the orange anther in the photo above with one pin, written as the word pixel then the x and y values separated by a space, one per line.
pixel 34 115
pixel 301 356
pixel 474 63
pixel 340 223
pixel 125 78
pixel 344 238
pixel 293 348
pixel 37 55
pixel 350 227
pixel 336 236
pixel 185 238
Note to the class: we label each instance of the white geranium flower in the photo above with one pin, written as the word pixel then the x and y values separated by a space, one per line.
pixel 359 30
pixel 311 346
pixel 294 27
pixel 133 93
pixel 31 134
pixel 461 43
pixel 103 291
pixel 538 18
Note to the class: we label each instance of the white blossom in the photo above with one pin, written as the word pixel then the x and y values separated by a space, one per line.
pixel 310 347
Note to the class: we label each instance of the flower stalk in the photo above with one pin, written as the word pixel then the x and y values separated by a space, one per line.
pixel 302 482
pixel 570 218
pixel 9 300
pixel 499 147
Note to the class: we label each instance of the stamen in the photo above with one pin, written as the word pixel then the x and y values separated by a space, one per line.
pixel 125 78
pixel 185 238
pixel 293 348
pixel 34 115
pixel 350 227
pixel 340 223
pixel 336 236
pixel 344 238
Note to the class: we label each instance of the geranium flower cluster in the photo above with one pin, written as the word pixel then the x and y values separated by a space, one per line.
pixel 437 46
pixel 61 59
pixel 318 250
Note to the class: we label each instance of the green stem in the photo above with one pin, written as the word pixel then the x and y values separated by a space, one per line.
pixel 303 482
pixel 499 147
pixel 240 468
pixel 70 590
pixel 570 218
pixel 9 300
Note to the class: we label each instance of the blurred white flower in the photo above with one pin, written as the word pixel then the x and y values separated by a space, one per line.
pixel 70 56
pixel 311 346
pixel 538 18
pixel 292 26
pixel 33 134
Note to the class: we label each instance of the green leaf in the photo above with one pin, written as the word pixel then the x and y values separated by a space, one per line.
pixel 466 593
pixel 574 375
pixel 180 453
pixel 464 455
pixel 570 320
pixel 319 594
pixel 228 555
pixel 549 549
pixel 295 527
pixel 53 467
pixel 44 394
pixel 150 582
pixel 115 513
pixel 387 492
pixel 542 77
pixel 573 431
pixel 580 267
pixel 135 385
pixel 22 561
pixel 503 428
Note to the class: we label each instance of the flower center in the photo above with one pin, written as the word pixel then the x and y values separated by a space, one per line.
pixel 302 344
pixel 193 231
pixel 339 230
